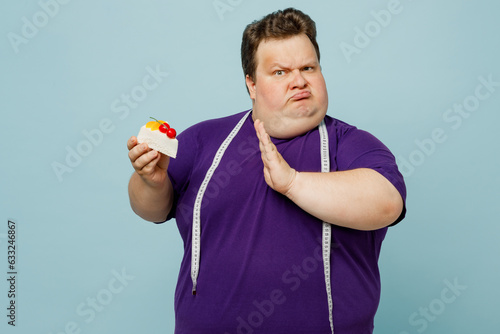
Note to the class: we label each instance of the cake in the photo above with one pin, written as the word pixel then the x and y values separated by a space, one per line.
pixel 159 136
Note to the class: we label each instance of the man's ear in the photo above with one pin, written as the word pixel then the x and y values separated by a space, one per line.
pixel 250 86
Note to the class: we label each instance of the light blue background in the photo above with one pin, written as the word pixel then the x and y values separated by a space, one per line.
pixel 75 232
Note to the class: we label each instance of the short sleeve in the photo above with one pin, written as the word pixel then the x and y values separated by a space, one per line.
pixel 360 149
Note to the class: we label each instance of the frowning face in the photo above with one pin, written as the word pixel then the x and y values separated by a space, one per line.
pixel 288 92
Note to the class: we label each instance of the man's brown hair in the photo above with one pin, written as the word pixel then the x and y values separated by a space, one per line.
pixel 281 24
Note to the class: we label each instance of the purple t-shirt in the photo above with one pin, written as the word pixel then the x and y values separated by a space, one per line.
pixel 261 269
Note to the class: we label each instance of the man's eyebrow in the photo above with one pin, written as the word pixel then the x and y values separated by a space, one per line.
pixel 309 62
pixel 279 65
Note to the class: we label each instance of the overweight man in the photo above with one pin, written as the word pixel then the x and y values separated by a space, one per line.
pixel 282 209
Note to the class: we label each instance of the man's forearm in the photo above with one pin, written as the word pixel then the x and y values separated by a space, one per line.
pixel 360 199
pixel 150 203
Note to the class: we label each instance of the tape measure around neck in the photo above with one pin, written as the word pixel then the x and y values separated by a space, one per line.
pixel 196 232
pixel 196 228
pixel 327 228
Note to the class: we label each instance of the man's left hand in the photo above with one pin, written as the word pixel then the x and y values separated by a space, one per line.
pixel 277 173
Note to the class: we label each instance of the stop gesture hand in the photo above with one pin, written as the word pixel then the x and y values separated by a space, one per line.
pixel 277 173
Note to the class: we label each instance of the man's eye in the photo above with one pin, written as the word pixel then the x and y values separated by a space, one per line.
pixel 279 72
pixel 308 68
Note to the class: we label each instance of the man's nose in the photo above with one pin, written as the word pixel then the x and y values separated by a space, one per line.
pixel 298 80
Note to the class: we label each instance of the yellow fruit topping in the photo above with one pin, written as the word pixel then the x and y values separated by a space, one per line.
pixel 153 125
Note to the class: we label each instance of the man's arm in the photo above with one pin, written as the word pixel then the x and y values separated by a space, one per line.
pixel 150 190
pixel 361 199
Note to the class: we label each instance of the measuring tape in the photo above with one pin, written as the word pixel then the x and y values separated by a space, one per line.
pixel 196 234
pixel 327 228
pixel 196 231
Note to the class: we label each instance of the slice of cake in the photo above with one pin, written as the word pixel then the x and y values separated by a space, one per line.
pixel 159 136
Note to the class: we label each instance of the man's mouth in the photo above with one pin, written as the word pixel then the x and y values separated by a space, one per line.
pixel 301 95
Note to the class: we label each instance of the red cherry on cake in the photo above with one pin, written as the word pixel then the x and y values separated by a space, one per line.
pixel 164 127
pixel 171 133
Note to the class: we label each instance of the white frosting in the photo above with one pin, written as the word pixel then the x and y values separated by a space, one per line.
pixel 158 141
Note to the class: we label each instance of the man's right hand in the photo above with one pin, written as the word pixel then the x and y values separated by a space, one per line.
pixel 149 164
pixel 150 190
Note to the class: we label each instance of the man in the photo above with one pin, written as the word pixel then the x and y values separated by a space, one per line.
pixel 282 209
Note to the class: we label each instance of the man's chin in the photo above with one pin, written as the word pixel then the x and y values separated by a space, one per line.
pixel 303 110
pixel 300 109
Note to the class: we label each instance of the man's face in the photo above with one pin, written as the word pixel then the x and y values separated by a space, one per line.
pixel 288 92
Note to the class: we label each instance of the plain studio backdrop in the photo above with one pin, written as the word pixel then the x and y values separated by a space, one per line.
pixel 78 78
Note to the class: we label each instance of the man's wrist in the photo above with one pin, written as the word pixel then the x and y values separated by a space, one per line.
pixel 294 186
